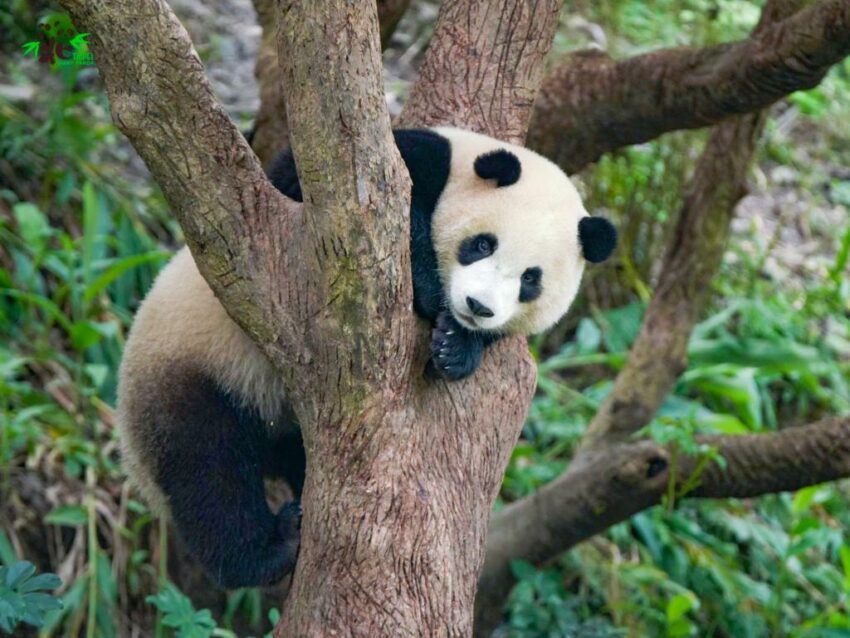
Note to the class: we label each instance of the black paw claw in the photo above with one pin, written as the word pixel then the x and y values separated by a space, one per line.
pixel 455 352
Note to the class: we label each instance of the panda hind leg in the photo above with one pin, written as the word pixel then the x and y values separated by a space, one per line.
pixel 210 467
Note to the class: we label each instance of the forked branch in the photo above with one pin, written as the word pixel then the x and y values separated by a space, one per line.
pixel 590 104
pixel 483 67
pixel 213 182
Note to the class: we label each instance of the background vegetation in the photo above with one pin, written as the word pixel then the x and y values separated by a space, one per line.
pixel 83 233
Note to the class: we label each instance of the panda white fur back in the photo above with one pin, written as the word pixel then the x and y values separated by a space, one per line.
pixel 181 321
pixel 499 238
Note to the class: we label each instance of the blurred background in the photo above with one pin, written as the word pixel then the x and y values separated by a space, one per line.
pixel 84 230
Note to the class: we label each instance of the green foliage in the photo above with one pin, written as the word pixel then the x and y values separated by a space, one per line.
pixel 634 26
pixel 540 606
pixel 22 595
pixel 181 615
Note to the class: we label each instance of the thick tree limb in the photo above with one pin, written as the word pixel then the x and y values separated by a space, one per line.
pixel 621 480
pixel 790 459
pixel 659 353
pixel 589 104
pixel 230 213
pixel 483 67
pixel 271 132
pixel 407 471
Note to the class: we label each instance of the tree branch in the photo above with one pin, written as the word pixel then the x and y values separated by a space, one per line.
pixel 402 475
pixel 787 460
pixel 659 353
pixel 590 104
pixel 230 213
pixel 616 482
pixel 342 268
pixel 483 67
pixel 271 132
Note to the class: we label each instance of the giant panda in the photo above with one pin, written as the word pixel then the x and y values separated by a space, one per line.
pixel 498 239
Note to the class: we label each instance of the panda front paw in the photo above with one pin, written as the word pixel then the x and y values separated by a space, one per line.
pixel 455 351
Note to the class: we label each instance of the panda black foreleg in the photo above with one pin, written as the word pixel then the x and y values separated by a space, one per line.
pixel 211 469
pixel 455 351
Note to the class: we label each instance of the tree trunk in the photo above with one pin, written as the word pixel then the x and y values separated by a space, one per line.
pixel 402 472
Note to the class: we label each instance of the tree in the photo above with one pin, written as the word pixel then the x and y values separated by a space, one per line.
pixel 403 473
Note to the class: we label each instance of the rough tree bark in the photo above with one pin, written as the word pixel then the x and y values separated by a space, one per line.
pixel 271 132
pixel 590 104
pixel 402 473
pixel 483 67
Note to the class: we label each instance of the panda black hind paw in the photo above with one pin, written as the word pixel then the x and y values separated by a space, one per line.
pixel 289 521
pixel 262 562
pixel 455 351
pixel 278 559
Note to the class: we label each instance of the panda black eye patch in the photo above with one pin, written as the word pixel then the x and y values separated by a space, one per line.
pixel 530 284
pixel 477 247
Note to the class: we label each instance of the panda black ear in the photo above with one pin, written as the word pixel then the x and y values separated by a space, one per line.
pixel 598 238
pixel 501 165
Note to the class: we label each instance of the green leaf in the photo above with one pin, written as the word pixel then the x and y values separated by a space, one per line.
pixel 67 515
pixel 119 268
pixel 84 335
pixel 812 102
pixel 844 552
pixel 32 226
pixel 679 605
pixel 42 302
pixel 91 213
pixel 588 336
pixel 620 326
pixel 41 581
pixel 523 570
pixel 18 573
pixel 20 598
pixel 181 615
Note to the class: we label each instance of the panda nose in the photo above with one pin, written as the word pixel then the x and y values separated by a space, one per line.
pixel 478 309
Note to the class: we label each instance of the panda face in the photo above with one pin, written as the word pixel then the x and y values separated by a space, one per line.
pixel 487 289
pixel 509 276
pixel 508 232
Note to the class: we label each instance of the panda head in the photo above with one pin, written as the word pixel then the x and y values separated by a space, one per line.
pixel 511 236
